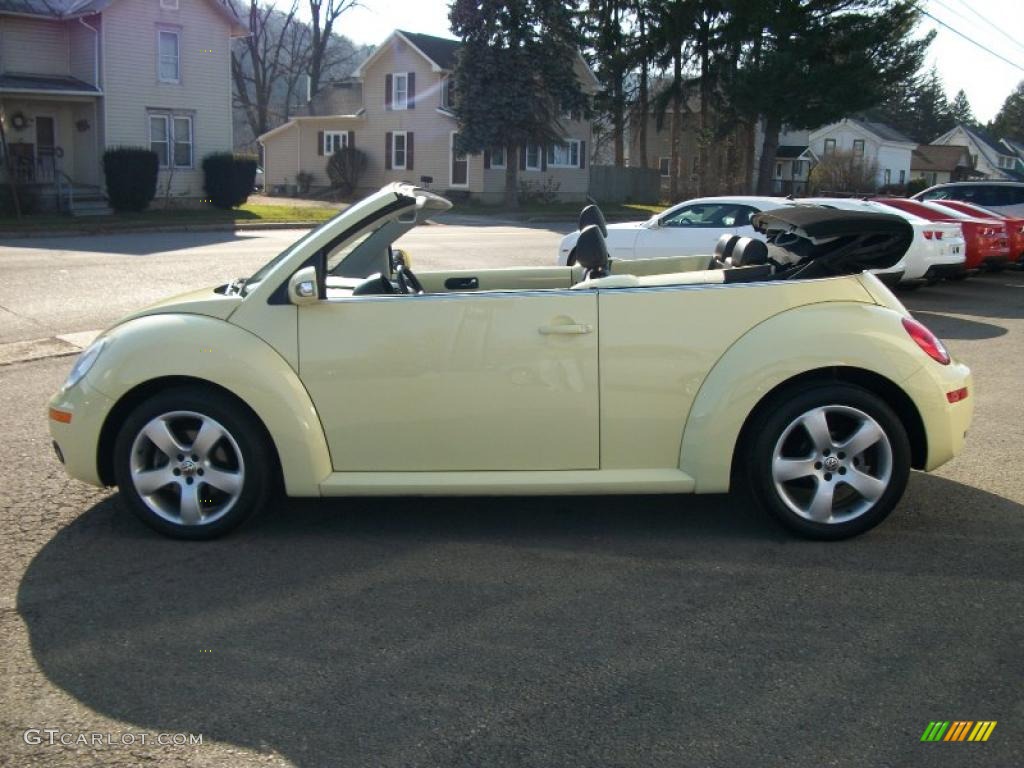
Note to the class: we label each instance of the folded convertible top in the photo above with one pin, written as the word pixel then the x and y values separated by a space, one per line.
pixel 826 241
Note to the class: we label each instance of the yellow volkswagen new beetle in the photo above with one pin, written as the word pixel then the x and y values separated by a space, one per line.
pixel 336 370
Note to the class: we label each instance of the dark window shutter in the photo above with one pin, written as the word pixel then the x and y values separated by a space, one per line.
pixel 351 139
pixel 408 151
pixel 387 151
pixel 583 154
pixel 487 158
pixel 543 157
pixel 387 91
pixel 412 90
pixel 522 158
pixel 319 142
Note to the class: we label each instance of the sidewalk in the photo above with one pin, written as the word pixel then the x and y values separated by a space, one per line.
pixel 39 349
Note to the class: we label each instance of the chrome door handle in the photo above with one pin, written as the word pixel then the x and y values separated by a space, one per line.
pixel 570 329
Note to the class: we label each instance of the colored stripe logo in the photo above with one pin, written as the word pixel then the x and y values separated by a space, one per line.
pixel 958 730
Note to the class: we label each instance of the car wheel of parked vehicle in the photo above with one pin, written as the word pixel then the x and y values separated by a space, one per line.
pixel 830 462
pixel 192 464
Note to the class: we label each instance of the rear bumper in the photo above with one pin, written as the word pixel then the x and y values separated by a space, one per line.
pixel 945 423
pixel 939 271
pixel 889 279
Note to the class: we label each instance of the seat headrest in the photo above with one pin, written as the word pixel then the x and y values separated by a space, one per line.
pixel 592 215
pixel 591 251
pixel 748 252
pixel 725 245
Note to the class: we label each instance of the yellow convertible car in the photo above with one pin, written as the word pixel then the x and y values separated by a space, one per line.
pixel 335 370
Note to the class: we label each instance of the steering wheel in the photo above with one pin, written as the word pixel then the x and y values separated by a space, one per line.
pixel 408 283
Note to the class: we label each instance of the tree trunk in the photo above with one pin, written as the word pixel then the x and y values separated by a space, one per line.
pixel 511 177
pixel 618 121
pixel 677 125
pixel 772 127
pixel 644 108
pixel 704 139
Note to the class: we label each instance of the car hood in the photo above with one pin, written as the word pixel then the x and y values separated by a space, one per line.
pixel 206 301
pixel 627 225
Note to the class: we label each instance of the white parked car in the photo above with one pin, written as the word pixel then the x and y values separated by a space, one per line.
pixel 693 227
pixel 938 249
pixel 686 229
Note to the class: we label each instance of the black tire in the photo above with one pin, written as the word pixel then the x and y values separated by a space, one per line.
pixel 841 404
pixel 255 474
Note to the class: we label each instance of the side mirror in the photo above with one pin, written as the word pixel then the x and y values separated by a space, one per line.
pixel 302 288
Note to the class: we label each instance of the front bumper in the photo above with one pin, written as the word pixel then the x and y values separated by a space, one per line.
pixel 78 439
pixel 945 423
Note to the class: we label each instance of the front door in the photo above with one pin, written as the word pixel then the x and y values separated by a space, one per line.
pixel 46 142
pixel 455 382
pixel 460 165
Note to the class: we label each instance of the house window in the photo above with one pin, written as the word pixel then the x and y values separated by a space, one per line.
pixel 335 140
pixel 665 166
pixel 887 176
pixel 564 155
pixel 182 137
pixel 169 5
pixel 532 157
pixel 400 90
pixel 974 161
pixel 498 157
pixel 830 146
pixel 169 64
pixel 448 93
pixel 398 151
pixel 903 177
pixel 171 137
pixel 159 135
pixel 858 149
pixel 778 170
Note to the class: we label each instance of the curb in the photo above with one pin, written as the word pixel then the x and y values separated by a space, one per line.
pixel 233 227
pixel 62 345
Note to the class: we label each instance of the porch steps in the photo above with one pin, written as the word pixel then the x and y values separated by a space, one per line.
pixel 89 202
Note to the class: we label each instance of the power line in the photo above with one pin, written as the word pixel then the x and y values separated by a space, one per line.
pixel 992 24
pixel 956 31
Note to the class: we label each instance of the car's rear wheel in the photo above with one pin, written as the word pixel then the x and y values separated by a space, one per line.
pixel 192 463
pixel 828 463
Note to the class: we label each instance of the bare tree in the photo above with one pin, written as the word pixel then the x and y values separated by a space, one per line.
pixel 259 60
pixel 844 172
pixel 323 15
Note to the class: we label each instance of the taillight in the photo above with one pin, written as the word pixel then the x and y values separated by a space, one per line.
pixel 930 233
pixel 926 340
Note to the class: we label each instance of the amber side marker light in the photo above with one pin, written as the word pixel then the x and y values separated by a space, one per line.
pixel 926 340
pixel 64 417
pixel 957 395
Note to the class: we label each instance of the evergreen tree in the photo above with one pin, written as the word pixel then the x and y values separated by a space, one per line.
pixel 932 114
pixel 961 111
pixel 1009 123
pixel 515 76
pixel 820 60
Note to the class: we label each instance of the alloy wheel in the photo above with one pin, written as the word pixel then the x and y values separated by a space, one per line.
pixel 187 468
pixel 832 464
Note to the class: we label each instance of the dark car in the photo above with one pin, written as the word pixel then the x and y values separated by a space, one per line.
pixel 1000 196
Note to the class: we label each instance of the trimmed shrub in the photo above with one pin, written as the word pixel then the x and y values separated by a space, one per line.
pixel 130 174
pixel 345 168
pixel 228 178
pixel 916 185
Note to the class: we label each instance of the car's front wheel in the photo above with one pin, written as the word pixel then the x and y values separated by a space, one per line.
pixel 192 463
pixel 829 462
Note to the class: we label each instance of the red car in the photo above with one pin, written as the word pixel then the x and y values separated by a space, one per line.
pixel 988 244
pixel 1015 224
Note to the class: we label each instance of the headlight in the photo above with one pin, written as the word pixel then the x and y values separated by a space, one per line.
pixel 84 362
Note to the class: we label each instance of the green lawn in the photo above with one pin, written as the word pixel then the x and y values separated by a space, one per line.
pixel 247 213
pixel 559 210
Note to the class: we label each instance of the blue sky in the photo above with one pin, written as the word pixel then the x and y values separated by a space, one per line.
pixel 997 24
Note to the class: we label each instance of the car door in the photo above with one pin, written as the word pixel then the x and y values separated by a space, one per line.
pixel 691 229
pixel 503 380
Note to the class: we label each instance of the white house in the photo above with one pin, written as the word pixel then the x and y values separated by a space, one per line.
pixel 993 159
pixel 79 76
pixel 870 140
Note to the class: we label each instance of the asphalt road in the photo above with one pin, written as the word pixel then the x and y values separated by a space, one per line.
pixel 59 285
pixel 625 631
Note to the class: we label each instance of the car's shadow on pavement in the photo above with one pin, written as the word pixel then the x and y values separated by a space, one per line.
pixel 998 295
pixel 552 631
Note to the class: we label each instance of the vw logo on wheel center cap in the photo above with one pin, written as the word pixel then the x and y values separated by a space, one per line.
pixel 188 467
pixel 831 464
